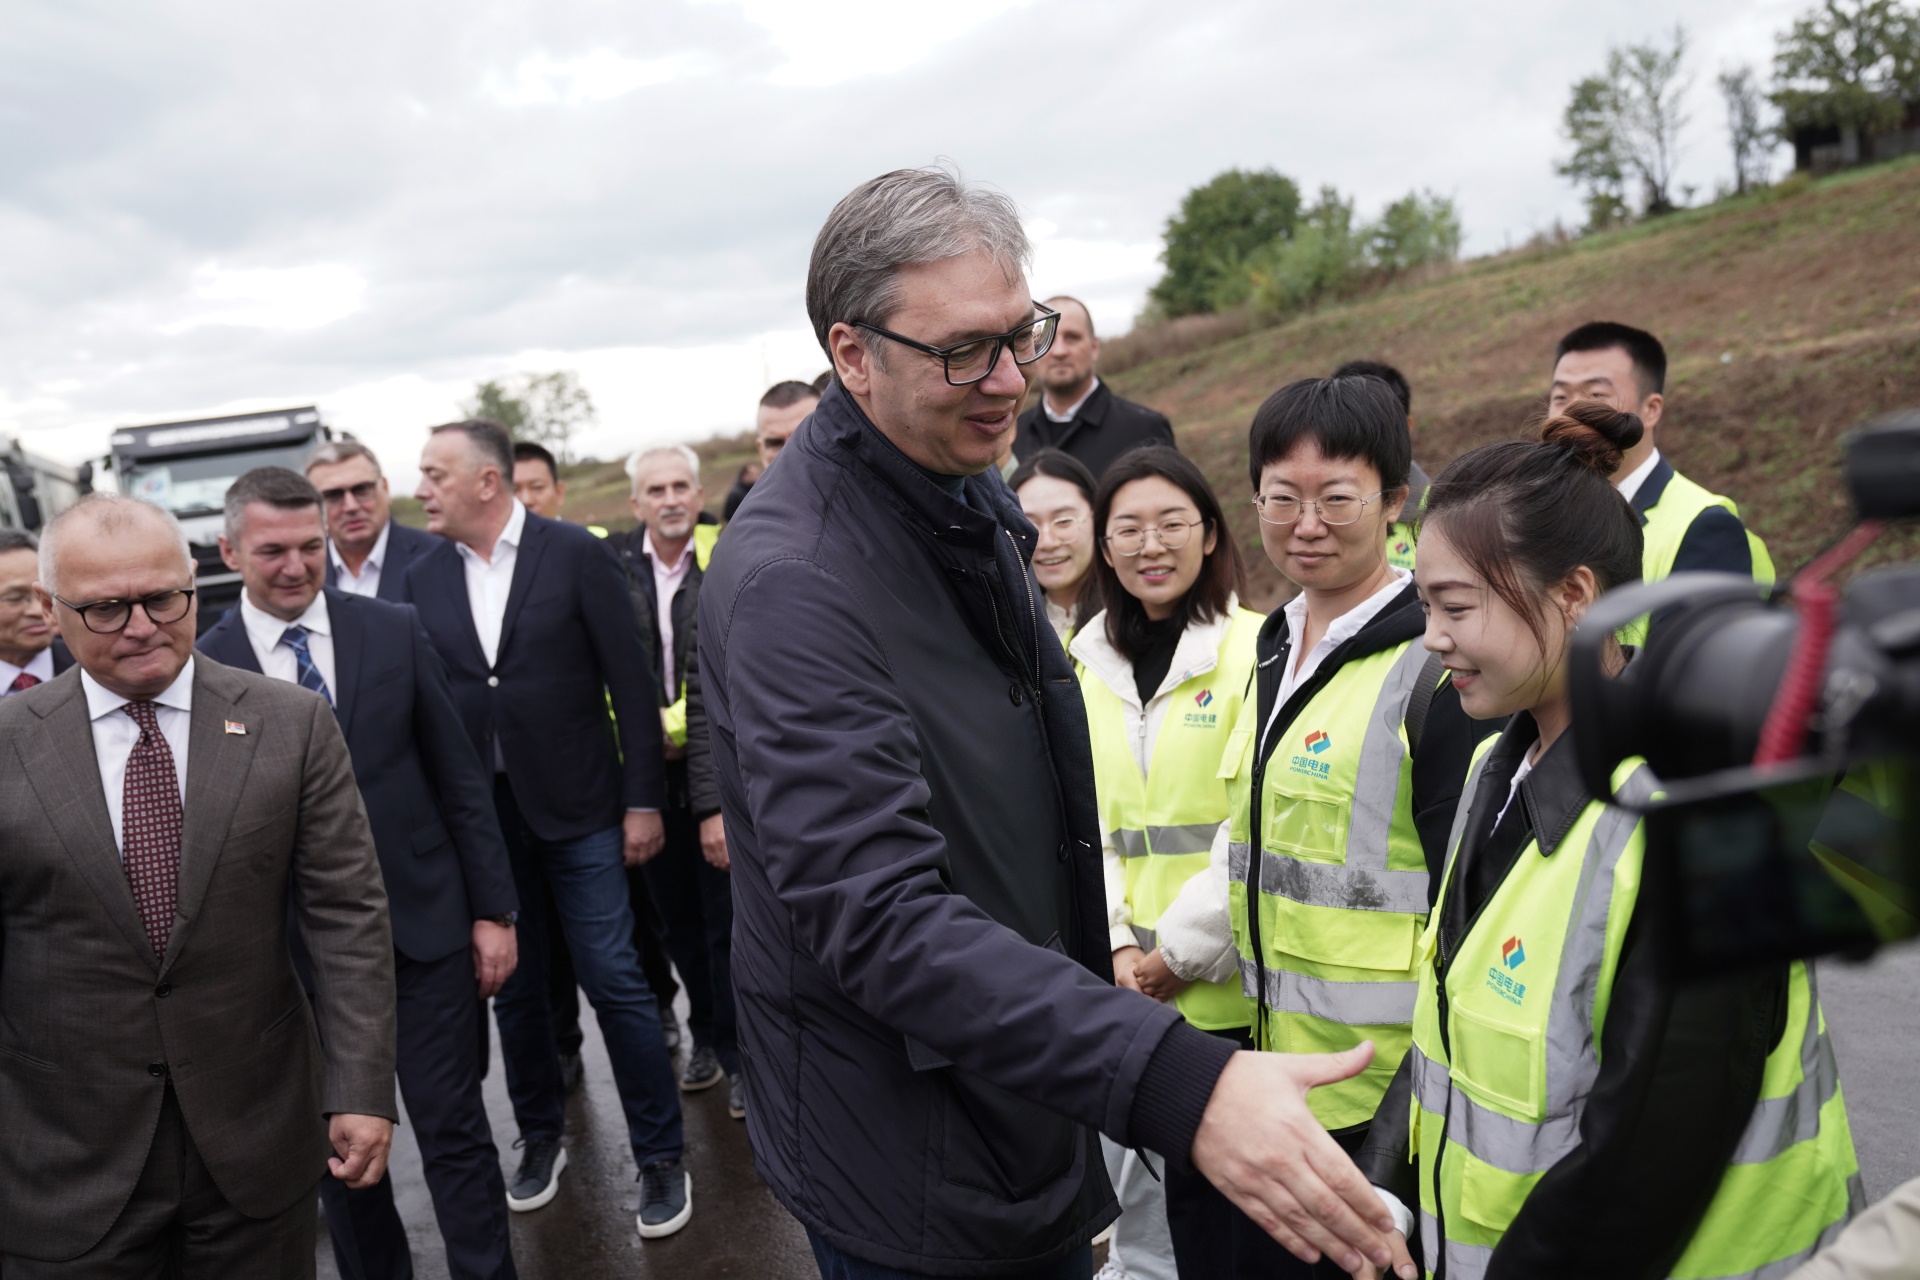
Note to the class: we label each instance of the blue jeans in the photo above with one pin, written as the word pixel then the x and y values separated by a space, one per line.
pixel 835 1265
pixel 587 883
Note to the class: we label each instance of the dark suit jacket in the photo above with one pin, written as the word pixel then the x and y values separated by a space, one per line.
pixel 1105 427
pixel 1716 541
pixel 62 656
pixel 92 1024
pixel 404 545
pixel 569 644
pixel 429 799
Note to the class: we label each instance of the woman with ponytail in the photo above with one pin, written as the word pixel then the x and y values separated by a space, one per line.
pixel 1572 1105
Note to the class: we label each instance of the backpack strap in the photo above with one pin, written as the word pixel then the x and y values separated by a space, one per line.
pixel 1425 685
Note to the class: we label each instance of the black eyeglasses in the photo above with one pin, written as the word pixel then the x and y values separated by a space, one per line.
pixel 973 360
pixel 105 617
pixel 362 493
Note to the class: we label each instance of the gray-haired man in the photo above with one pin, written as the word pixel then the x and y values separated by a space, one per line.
pixel 928 1019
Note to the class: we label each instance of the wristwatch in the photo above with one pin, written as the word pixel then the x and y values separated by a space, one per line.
pixel 506 921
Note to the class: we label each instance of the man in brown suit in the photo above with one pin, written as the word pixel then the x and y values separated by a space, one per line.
pixel 166 1105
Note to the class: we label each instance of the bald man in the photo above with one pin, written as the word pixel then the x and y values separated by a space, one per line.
pixel 167 1104
pixel 1078 413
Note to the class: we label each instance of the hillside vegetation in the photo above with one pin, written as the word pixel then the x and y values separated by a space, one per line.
pixel 1789 316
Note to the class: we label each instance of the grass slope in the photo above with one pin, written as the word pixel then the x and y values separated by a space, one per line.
pixel 1788 317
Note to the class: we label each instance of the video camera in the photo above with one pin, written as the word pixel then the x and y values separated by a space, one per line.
pixel 1784 731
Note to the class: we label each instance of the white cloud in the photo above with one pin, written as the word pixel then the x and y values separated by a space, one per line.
pixel 600 76
pixel 830 43
pixel 291 298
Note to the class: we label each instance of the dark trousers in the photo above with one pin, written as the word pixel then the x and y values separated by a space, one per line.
pixel 438 1012
pixel 696 901
pixel 835 1265
pixel 563 987
pixel 586 880
pixel 177 1223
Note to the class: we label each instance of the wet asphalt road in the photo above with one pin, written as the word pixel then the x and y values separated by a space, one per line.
pixel 740 1230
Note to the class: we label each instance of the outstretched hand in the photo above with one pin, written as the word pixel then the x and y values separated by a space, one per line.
pixel 1260 1144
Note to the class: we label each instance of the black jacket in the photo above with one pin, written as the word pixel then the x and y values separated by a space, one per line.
pixel 404 545
pixel 428 800
pixel 1680 1062
pixel 920 961
pixel 1716 541
pixel 631 548
pixel 569 644
pixel 1105 427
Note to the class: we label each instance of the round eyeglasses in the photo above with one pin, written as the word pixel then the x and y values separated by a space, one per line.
pixel 1173 535
pixel 1335 508
pixel 105 617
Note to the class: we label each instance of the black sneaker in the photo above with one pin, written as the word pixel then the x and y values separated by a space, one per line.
pixel 538 1179
pixel 737 1096
pixel 572 1071
pixel 666 1199
pixel 703 1070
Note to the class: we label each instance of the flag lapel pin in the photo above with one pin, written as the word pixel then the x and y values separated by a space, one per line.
pixel 236 728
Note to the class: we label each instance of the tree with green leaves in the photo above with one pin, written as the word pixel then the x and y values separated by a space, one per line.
pixel 1746 131
pixel 1413 231
pixel 1220 227
pixel 546 408
pixel 1853 65
pixel 1625 123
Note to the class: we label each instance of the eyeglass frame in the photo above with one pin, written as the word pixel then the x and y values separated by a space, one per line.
pixel 1158 531
pixel 1260 510
pixel 142 601
pixel 1001 342
pixel 331 498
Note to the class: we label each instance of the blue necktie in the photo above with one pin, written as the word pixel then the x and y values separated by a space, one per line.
pixel 295 638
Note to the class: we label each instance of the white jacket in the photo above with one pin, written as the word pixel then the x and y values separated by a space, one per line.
pixel 1195 932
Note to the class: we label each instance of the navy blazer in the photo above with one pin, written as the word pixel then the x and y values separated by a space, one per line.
pixel 569 645
pixel 404 545
pixel 429 800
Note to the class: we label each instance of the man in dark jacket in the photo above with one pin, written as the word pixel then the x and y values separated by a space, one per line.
pixel 1077 413
pixel 665 559
pixel 929 1026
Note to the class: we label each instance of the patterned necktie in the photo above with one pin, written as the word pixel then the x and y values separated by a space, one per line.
pixel 23 682
pixel 150 821
pixel 295 638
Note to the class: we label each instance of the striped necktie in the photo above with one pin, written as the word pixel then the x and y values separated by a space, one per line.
pixel 308 675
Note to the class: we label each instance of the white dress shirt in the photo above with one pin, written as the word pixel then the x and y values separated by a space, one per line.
pixel 1066 414
pixel 115 733
pixel 277 660
pixel 666 582
pixel 490 581
pixel 1339 631
pixel 40 666
pixel 367 581
pixel 1629 485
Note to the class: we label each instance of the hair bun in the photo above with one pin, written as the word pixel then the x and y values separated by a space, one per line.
pixel 1597 435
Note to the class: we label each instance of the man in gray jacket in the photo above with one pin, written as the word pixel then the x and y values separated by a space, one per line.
pixel 929 1027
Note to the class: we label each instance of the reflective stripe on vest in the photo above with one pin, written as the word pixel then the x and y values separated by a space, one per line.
pixel 1338 877
pixel 1164 824
pixel 1505 1106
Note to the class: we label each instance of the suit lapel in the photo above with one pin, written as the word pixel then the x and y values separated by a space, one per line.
pixel 526 563
pixel 65 774
pixel 442 572
pixel 217 766
pixel 227 641
pixel 347 645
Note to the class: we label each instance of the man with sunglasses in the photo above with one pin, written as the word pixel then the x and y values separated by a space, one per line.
pixel 167 1105
pixel 367 550
pixel 929 1024
pixel 1077 413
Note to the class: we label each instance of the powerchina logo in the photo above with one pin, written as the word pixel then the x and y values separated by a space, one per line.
pixel 1312 765
pixel 1203 718
pixel 1513 954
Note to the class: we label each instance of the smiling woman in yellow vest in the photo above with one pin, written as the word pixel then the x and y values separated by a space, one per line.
pixel 1318 917
pixel 1571 1106
pixel 1163 669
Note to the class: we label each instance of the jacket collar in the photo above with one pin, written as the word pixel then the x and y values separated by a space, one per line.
pixel 839 430
pixel 1552 792
pixel 1197 651
pixel 1650 490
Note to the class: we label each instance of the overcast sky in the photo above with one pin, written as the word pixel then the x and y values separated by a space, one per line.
pixel 209 207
